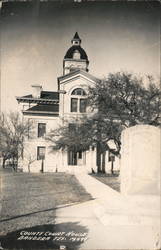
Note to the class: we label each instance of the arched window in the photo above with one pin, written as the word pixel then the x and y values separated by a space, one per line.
pixel 78 91
pixel 78 101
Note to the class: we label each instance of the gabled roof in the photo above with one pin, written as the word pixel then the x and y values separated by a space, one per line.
pixel 75 73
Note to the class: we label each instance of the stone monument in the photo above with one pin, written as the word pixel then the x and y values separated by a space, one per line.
pixel 140 160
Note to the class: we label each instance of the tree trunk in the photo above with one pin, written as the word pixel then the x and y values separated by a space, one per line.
pixel 29 167
pixel 13 164
pixel 98 158
pixel 104 162
pixel 16 163
pixel 112 165
pixel 42 166
pixel 3 163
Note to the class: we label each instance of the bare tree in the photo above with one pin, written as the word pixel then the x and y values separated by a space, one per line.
pixel 13 130
pixel 30 159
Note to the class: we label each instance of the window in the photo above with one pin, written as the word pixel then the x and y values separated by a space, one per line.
pixel 80 154
pixel 41 129
pixel 111 157
pixel 40 153
pixel 74 104
pixel 78 103
pixel 78 91
pixel 83 104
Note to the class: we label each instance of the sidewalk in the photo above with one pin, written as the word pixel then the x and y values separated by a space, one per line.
pixel 111 199
pixel 115 221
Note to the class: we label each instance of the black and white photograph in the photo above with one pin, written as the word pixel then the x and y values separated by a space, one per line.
pixel 80 125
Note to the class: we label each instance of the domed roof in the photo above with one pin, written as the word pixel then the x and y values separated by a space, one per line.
pixel 71 50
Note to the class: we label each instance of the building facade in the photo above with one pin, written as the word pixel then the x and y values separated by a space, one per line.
pixel 50 109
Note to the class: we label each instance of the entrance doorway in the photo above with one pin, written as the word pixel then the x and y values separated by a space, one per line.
pixel 76 158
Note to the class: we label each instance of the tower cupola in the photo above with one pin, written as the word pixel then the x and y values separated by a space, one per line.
pixel 76 39
pixel 75 57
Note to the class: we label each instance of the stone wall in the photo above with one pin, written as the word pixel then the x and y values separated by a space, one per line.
pixel 140 160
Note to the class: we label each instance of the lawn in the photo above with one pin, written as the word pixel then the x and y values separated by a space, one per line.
pixel 109 179
pixel 29 200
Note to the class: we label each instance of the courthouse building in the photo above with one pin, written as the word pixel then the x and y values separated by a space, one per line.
pixel 49 109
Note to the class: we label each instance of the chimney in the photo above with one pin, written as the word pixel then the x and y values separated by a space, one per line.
pixel 36 91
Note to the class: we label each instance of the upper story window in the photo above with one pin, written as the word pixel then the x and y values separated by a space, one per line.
pixel 41 129
pixel 74 104
pixel 82 105
pixel 78 101
pixel 78 91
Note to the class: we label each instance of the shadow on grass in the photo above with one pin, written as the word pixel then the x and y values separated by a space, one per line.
pixel 115 174
pixel 68 235
pixel 37 212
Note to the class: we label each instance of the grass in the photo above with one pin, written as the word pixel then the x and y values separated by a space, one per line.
pixel 109 179
pixel 29 200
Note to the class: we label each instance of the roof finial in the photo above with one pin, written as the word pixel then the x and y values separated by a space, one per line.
pixel 76 39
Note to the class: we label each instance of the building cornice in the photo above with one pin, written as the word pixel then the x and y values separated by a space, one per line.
pixel 75 60
pixel 38 113
pixel 36 100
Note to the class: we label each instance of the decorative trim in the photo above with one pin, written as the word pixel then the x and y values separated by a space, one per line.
pixel 36 100
pixel 74 73
pixel 40 113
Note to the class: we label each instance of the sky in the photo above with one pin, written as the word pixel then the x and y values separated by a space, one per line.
pixel 116 36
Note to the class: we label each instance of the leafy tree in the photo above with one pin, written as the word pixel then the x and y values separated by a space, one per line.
pixel 13 130
pixel 123 97
pixel 117 102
